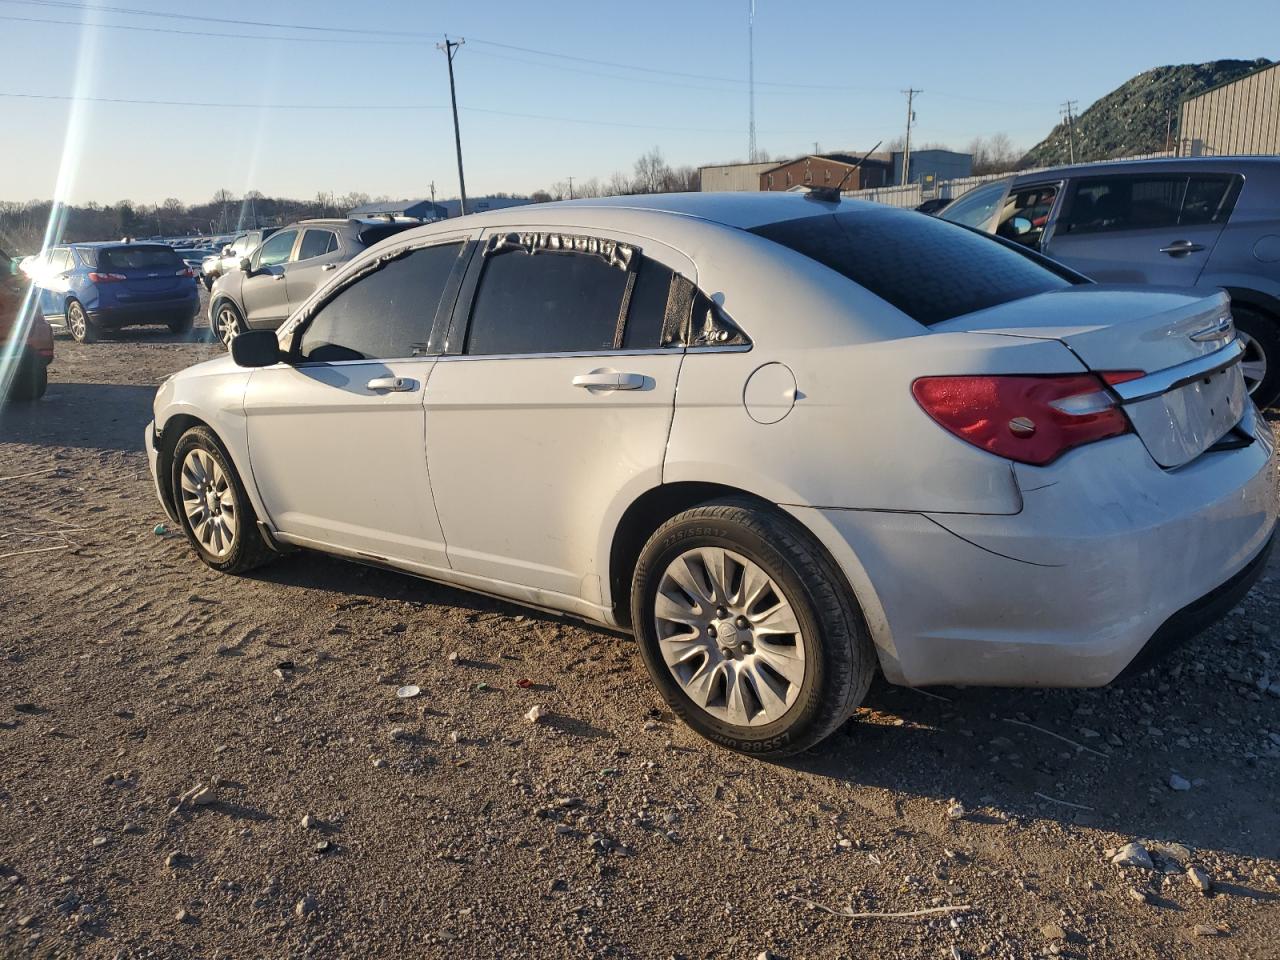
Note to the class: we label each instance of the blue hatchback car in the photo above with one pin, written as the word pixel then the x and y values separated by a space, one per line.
pixel 86 289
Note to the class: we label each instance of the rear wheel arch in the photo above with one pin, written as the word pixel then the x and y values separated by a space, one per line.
pixel 655 507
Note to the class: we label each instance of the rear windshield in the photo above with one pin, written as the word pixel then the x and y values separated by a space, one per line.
pixel 929 269
pixel 138 258
pixel 371 235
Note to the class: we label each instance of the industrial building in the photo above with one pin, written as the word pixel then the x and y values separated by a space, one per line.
pixel 931 166
pixel 733 176
pixel 422 209
pixel 826 170
pixel 1239 117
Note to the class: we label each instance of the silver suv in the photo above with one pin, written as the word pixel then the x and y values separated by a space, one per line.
pixel 1202 221
pixel 286 269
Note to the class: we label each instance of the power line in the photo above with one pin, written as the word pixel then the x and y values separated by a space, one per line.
pixel 403 40
pixel 135 12
pixel 204 33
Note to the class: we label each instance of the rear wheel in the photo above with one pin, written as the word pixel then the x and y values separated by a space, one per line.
pixel 227 322
pixel 748 630
pixel 214 509
pixel 1260 336
pixel 82 328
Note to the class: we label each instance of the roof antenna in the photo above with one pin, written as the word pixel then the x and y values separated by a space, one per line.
pixel 832 194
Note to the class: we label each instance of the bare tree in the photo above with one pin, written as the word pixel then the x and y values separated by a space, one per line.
pixel 618 185
pixel 994 154
pixel 651 172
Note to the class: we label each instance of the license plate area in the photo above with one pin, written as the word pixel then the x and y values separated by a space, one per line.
pixel 1179 425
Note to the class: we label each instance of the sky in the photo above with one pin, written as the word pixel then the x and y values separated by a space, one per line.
pixel 302 96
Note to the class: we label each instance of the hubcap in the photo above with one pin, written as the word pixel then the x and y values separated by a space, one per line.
pixel 77 323
pixel 228 325
pixel 209 502
pixel 729 636
pixel 1253 363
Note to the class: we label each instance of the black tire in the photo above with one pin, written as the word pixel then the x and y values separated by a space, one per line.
pixel 207 281
pixel 840 658
pixel 1263 332
pixel 216 321
pixel 30 379
pixel 182 324
pixel 80 324
pixel 248 548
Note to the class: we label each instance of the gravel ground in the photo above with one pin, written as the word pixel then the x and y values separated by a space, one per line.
pixel 340 821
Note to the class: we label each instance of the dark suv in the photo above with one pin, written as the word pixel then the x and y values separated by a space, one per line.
pixel 1194 221
pixel 286 269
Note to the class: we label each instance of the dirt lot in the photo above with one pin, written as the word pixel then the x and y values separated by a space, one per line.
pixel 449 826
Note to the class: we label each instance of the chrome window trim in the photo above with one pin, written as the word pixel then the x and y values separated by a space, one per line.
pixel 453 357
pixel 1155 384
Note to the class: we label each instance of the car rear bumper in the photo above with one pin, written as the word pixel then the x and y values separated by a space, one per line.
pixel 146 311
pixel 1109 561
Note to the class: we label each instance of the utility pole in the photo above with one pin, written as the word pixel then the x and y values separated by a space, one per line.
pixel 450 48
pixel 571 188
pixel 906 148
pixel 1068 110
pixel 1168 131
pixel 751 81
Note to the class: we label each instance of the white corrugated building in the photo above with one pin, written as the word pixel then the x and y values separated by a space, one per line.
pixel 1239 117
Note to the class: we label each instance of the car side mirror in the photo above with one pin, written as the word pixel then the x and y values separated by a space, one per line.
pixel 1021 225
pixel 246 265
pixel 226 250
pixel 255 348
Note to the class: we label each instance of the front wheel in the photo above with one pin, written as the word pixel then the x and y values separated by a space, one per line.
pixel 748 629
pixel 1260 336
pixel 213 506
pixel 227 322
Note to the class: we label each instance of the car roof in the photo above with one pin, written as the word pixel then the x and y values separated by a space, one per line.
pixel 1232 164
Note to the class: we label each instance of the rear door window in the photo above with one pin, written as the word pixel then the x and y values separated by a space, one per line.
pixel 316 243
pixel 532 299
pixel 929 269
pixel 1108 204
pixel 383 315
pixel 1209 199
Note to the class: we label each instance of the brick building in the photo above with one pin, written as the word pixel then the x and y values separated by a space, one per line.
pixel 827 170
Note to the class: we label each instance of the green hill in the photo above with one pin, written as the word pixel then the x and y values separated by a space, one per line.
pixel 1131 119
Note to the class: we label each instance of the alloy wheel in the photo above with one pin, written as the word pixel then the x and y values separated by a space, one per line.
pixel 228 324
pixel 1253 362
pixel 729 636
pixel 209 502
pixel 76 321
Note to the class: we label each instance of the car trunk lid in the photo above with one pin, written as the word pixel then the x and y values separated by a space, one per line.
pixel 1189 391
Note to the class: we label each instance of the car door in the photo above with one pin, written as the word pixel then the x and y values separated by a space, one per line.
pixel 264 290
pixel 1142 228
pixel 553 398
pixel 336 435
pixel 319 254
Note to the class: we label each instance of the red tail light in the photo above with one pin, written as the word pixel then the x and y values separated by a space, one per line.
pixel 185 272
pixel 106 277
pixel 1030 419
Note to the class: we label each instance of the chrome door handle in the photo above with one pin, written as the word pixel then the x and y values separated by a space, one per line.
pixel 1179 247
pixel 392 384
pixel 330 266
pixel 277 276
pixel 609 380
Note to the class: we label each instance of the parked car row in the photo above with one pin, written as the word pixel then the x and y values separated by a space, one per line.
pixel 1192 222
pixel 785 440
